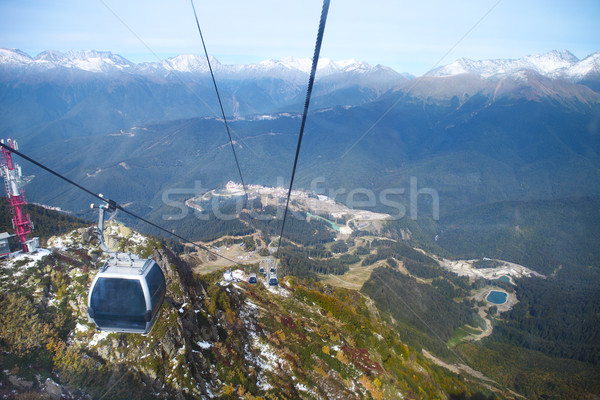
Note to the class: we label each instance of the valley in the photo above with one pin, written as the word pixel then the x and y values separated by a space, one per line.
pixel 359 246
pixel 442 239
pixel 297 340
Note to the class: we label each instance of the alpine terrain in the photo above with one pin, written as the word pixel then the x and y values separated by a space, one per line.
pixel 441 240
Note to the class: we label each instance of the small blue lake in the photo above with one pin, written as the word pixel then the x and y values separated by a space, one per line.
pixel 497 297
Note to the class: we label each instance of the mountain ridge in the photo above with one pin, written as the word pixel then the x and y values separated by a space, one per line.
pixel 106 61
pixel 553 64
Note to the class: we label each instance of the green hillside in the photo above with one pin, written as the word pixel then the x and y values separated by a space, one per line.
pixel 47 222
pixel 478 153
pixel 215 339
pixel 540 234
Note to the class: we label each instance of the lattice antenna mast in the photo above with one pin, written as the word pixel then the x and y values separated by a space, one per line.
pixel 11 172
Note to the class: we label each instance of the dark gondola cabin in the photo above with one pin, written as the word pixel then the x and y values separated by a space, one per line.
pixel 252 279
pixel 126 295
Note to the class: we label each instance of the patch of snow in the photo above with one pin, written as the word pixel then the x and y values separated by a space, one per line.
pixel 227 276
pixel 250 304
pixel 301 387
pixel 204 345
pixel 268 357
pixel 238 274
pixel 182 308
pixel 81 328
pixel 63 242
pixel 98 337
pixel 31 258
pixel 278 290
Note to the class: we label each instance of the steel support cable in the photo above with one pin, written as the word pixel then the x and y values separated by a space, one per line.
pixel 115 205
pixel 219 98
pixel 311 81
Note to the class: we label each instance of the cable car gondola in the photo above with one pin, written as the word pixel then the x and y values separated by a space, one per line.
pixel 273 281
pixel 252 279
pixel 127 293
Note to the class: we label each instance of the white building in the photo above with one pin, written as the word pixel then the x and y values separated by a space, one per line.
pixel 4 247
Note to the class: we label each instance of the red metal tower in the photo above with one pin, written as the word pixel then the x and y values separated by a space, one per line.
pixel 11 173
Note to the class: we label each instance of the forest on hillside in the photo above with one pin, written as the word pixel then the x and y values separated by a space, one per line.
pixel 46 222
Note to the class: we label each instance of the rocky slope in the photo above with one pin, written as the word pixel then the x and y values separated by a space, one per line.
pixel 214 338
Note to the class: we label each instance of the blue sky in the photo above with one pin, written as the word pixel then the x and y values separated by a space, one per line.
pixel 409 36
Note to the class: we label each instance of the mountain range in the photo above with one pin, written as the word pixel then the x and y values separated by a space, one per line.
pixel 554 64
pixel 106 62
pixel 502 130
pixel 511 149
pixel 45 97
pixel 56 95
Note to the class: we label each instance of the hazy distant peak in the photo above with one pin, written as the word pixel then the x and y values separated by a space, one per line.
pixel 190 63
pixel 105 61
pixel 586 67
pixel 302 64
pixel 550 62
pixel 553 64
pixel 324 67
pixel 14 56
pixel 53 56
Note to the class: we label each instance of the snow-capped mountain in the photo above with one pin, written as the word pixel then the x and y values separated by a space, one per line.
pixel 554 64
pixel 14 57
pixel 587 67
pixel 55 95
pixel 101 91
pixel 85 60
pixel 104 62
pixel 286 68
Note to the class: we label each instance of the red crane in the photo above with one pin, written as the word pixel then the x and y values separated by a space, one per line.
pixel 11 173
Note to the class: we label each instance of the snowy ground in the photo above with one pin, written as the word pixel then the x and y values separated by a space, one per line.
pixel 30 259
pixel 64 242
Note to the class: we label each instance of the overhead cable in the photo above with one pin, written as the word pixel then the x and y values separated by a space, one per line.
pixel 113 204
pixel 219 98
pixel 311 81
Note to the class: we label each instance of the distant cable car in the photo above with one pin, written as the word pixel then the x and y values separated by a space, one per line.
pixel 252 279
pixel 262 270
pixel 127 293
pixel 273 278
